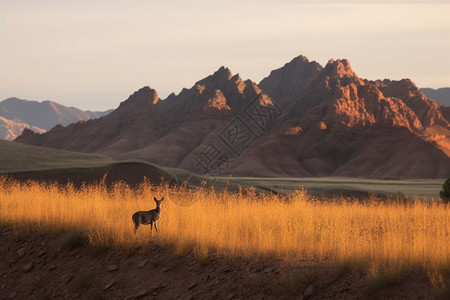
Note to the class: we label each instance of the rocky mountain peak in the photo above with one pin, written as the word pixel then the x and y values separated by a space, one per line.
pixel 300 59
pixel 221 76
pixel 222 79
pixel 341 73
pixel 223 72
pixel 143 98
pixel 286 84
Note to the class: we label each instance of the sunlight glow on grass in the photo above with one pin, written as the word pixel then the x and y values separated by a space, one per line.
pixel 298 226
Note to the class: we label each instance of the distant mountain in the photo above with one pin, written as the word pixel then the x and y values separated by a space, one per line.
pixel 442 95
pixel 301 120
pixel 17 114
pixel 9 129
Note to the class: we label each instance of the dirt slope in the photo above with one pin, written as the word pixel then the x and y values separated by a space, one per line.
pixel 59 266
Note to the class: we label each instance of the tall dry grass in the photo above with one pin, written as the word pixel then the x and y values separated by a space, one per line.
pixel 415 234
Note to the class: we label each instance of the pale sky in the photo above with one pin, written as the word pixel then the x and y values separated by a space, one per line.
pixel 94 54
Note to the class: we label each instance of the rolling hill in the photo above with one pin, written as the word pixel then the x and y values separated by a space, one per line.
pixel 24 162
pixel 17 157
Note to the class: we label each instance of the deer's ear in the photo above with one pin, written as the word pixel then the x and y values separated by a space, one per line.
pixel 162 198
pixel 154 198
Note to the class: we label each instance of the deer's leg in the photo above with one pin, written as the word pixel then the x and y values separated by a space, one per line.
pixel 136 222
pixel 151 226
pixel 136 226
pixel 156 227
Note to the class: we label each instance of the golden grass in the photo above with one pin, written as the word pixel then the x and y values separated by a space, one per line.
pixel 297 226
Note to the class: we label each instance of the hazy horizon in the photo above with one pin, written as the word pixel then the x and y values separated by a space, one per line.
pixel 94 54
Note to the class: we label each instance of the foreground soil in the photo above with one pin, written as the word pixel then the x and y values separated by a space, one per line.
pixel 36 265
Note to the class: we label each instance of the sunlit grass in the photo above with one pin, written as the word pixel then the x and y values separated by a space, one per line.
pixel 375 232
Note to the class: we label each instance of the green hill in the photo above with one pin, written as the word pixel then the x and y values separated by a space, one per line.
pixel 16 157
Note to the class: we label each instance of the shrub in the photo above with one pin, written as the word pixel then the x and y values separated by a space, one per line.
pixel 445 192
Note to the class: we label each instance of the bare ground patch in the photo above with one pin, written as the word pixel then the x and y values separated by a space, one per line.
pixel 40 265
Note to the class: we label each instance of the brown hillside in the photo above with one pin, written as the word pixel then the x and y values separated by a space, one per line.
pixel 38 265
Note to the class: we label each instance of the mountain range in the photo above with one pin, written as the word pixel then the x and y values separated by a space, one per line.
pixel 302 120
pixel 442 95
pixel 17 114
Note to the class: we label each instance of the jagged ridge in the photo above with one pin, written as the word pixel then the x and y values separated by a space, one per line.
pixel 328 122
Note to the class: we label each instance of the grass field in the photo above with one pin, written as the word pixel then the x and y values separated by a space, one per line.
pixel 378 234
pixel 17 157
pixel 420 188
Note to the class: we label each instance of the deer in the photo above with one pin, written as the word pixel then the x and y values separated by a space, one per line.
pixel 148 217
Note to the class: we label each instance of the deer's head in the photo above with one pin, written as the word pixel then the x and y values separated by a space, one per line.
pixel 158 202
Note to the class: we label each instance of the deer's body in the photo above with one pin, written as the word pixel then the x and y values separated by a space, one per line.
pixel 147 217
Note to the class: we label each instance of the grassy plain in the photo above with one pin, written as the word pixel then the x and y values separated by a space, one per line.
pixel 419 188
pixel 16 157
pixel 376 233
